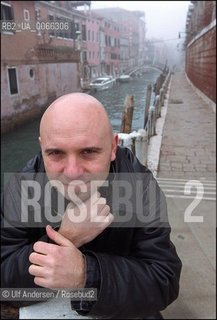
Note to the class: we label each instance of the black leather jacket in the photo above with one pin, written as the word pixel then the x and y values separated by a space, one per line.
pixel 139 266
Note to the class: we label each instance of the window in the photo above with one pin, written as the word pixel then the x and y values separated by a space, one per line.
pixel 26 15
pixel 83 31
pixel 73 29
pixel 37 14
pixel 12 76
pixel 114 56
pixel 66 33
pixel 51 19
pixel 84 55
pixel 60 32
pixel 6 12
pixel 31 73
pixel 38 18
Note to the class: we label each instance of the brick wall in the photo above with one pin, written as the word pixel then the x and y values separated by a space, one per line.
pixel 201 63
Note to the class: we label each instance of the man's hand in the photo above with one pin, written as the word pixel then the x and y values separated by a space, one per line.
pixel 57 266
pixel 83 222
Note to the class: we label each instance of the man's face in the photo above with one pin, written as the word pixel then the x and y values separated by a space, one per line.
pixel 76 156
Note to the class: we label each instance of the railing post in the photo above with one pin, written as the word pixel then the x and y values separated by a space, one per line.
pixel 127 116
pixel 157 106
pixel 151 122
pixel 166 82
pixel 162 96
pixel 142 146
pixel 147 103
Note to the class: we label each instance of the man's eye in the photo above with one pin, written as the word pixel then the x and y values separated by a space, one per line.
pixel 88 151
pixel 55 153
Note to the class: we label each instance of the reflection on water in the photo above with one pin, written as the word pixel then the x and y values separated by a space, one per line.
pixel 20 145
pixel 113 99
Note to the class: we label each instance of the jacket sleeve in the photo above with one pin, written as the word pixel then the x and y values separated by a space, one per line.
pixel 16 241
pixel 141 284
pixel 17 244
pixel 147 280
pixel 15 251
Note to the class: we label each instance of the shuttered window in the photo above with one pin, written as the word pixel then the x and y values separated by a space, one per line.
pixel 12 75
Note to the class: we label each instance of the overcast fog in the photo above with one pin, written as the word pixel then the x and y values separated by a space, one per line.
pixel 164 19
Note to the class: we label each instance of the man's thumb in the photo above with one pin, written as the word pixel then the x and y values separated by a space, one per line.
pixel 57 237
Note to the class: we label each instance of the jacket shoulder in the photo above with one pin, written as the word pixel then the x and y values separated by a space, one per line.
pixel 126 161
pixel 35 164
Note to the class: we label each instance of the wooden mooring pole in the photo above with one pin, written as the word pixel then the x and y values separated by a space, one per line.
pixel 127 116
pixel 159 84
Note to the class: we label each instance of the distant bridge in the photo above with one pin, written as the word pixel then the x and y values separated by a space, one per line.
pixel 159 67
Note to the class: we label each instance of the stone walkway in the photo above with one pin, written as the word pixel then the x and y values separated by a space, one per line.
pixel 189 135
pixel 186 174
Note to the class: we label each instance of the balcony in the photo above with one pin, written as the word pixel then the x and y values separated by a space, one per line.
pixel 48 53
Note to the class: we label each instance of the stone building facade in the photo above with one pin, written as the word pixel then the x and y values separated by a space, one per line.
pixel 37 64
pixel 201 48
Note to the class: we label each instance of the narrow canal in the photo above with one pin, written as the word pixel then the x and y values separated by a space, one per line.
pixel 19 146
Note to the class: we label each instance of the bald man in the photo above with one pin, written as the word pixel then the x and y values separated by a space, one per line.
pixel 134 268
pixel 76 139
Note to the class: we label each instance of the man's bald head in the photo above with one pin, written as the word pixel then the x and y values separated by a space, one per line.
pixel 74 109
pixel 76 140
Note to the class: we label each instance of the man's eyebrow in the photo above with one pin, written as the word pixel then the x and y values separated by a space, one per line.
pixel 48 150
pixel 92 148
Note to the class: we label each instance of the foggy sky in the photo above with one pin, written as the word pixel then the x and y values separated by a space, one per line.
pixel 164 19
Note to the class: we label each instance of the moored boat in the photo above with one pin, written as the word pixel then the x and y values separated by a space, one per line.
pixel 124 78
pixel 102 83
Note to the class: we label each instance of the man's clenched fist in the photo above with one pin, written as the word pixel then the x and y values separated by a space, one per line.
pixel 59 265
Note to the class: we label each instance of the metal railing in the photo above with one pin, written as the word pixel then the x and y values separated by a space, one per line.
pixel 138 141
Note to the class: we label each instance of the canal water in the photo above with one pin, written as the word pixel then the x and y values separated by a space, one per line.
pixel 19 146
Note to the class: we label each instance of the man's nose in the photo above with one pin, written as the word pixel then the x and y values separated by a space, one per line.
pixel 73 169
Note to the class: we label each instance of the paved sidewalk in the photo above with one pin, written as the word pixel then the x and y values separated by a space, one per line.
pixel 189 134
pixel 186 173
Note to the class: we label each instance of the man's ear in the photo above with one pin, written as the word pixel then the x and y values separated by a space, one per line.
pixel 114 146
